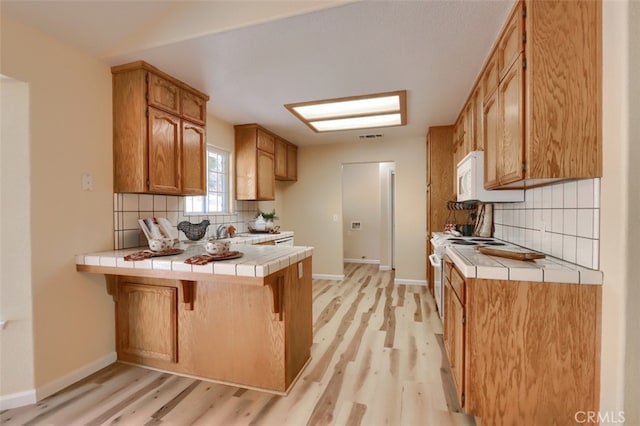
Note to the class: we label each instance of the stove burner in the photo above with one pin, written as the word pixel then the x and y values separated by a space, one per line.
pixel 465 243
pixel 482 240
pixel 494 243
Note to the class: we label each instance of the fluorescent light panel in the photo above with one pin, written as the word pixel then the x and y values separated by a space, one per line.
pixel 360 112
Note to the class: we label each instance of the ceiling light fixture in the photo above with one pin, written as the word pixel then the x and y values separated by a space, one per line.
pixel 355 112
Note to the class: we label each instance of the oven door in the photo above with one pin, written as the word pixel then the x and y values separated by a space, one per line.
pixel 438 287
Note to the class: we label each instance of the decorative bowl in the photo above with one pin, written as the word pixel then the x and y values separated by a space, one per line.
pixel 217 246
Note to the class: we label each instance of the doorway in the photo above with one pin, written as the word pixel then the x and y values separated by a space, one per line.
pixel 368 212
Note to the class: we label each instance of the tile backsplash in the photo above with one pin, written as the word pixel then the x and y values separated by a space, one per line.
pixel 128 208
pixel 561 220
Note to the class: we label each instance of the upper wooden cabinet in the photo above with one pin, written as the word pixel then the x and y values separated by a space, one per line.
pixel 540 119
pixel 255 164
pixel 261 158
pixel 159 135
pixel 286 160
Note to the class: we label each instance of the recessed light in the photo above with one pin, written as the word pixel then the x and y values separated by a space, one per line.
pixel 355 112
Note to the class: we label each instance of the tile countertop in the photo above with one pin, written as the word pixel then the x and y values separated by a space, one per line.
pixel 257 260
pixel 473 264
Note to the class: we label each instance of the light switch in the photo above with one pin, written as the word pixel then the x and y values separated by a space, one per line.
pixel 87 182
pixel 335 217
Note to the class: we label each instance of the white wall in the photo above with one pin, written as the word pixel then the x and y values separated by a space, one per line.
pixel 16 340
pixel 616 232
pixel 361 203
pixel 69 134
pixel 311 203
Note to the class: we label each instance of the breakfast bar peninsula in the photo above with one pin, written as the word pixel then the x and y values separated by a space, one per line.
pixel 244 321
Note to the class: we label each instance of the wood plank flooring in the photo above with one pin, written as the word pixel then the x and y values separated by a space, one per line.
pixel 377 359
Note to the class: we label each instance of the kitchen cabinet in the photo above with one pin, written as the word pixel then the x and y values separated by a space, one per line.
pixel 286 160
pixel 254 332
pixel 523 352
pixel 548 128
pixel 454 327
pixel 146 322
pixel 440 187
pixel 159 132
pixel 255 163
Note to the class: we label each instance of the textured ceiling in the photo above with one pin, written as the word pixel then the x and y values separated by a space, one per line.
pixel 254 57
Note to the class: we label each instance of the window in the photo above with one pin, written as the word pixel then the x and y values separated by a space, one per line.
pixel 217 198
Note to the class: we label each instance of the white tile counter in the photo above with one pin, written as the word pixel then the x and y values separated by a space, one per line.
pixel 473 264
pixel 257 260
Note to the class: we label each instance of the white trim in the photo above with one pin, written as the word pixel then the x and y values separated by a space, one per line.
pixel 328 277
pixel 385 268
pixel 72 377
pixel 409 282
pixel 371 261
pixel 18 399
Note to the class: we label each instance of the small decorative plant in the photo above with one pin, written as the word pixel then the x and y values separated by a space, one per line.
pixel 267 216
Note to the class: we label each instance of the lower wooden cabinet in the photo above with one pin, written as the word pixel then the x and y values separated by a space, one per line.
pixel 524 352
pixel 146 322
pixel 247 331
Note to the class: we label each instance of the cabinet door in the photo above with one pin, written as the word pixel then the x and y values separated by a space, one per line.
pixel 194 151
pixel 281 159
pixel 146 318
pixel 510 45
pixel 490 77
pixel 266 176
pixel 163 94
pixel 457 335
pixel 490 128
pixel 292 162
pixel 193 107
pixel 164 152
pixel 478 115
pixel 265 142
pixel 511 126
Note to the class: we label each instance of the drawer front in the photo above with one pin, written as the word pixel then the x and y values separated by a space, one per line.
pixel 458 284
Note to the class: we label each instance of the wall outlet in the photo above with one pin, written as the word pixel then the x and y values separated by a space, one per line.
pixel 87 182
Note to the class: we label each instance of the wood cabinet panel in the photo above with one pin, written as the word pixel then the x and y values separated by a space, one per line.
pixel 491 136
pixel 164 152
pixel 193 108
pixel 266 176
pixel 510 161
pixel 292 162
pixel 163 94
pixel 533 351
pixel 194 149
pixel 478 128
pixel 147 322
pixel 564 89
pixel 281 159
pixel 490 77
pixel 511 43
pixel 266 141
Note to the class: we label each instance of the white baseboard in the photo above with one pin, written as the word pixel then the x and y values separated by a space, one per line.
pixel 328 277
pixel 18 399
pixel 410 282
pixel 370 261
pixel 79 374
pixel 385 268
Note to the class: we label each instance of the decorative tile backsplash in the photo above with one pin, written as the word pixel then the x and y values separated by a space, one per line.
pixel 128 208
pixel 561 220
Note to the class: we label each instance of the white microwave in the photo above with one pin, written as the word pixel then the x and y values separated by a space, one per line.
pixel 470 182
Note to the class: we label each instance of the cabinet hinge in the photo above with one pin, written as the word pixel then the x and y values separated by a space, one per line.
pixel 148 184
pixel 524 166
pixel 462 397
pixel 524 11
pixel 464 319
pixel 146 112
pixel 524 38
pixel 524 64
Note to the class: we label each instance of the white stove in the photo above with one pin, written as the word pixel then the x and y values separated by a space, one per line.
pixel 440 241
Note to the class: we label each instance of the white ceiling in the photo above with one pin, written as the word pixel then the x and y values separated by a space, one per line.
pixel 252 57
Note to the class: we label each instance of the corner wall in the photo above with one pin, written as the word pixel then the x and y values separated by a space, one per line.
pixel 69 134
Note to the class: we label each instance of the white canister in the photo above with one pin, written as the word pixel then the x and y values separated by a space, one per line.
pixel 260 224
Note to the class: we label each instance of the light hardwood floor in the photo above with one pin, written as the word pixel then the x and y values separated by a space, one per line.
pixel 377 359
